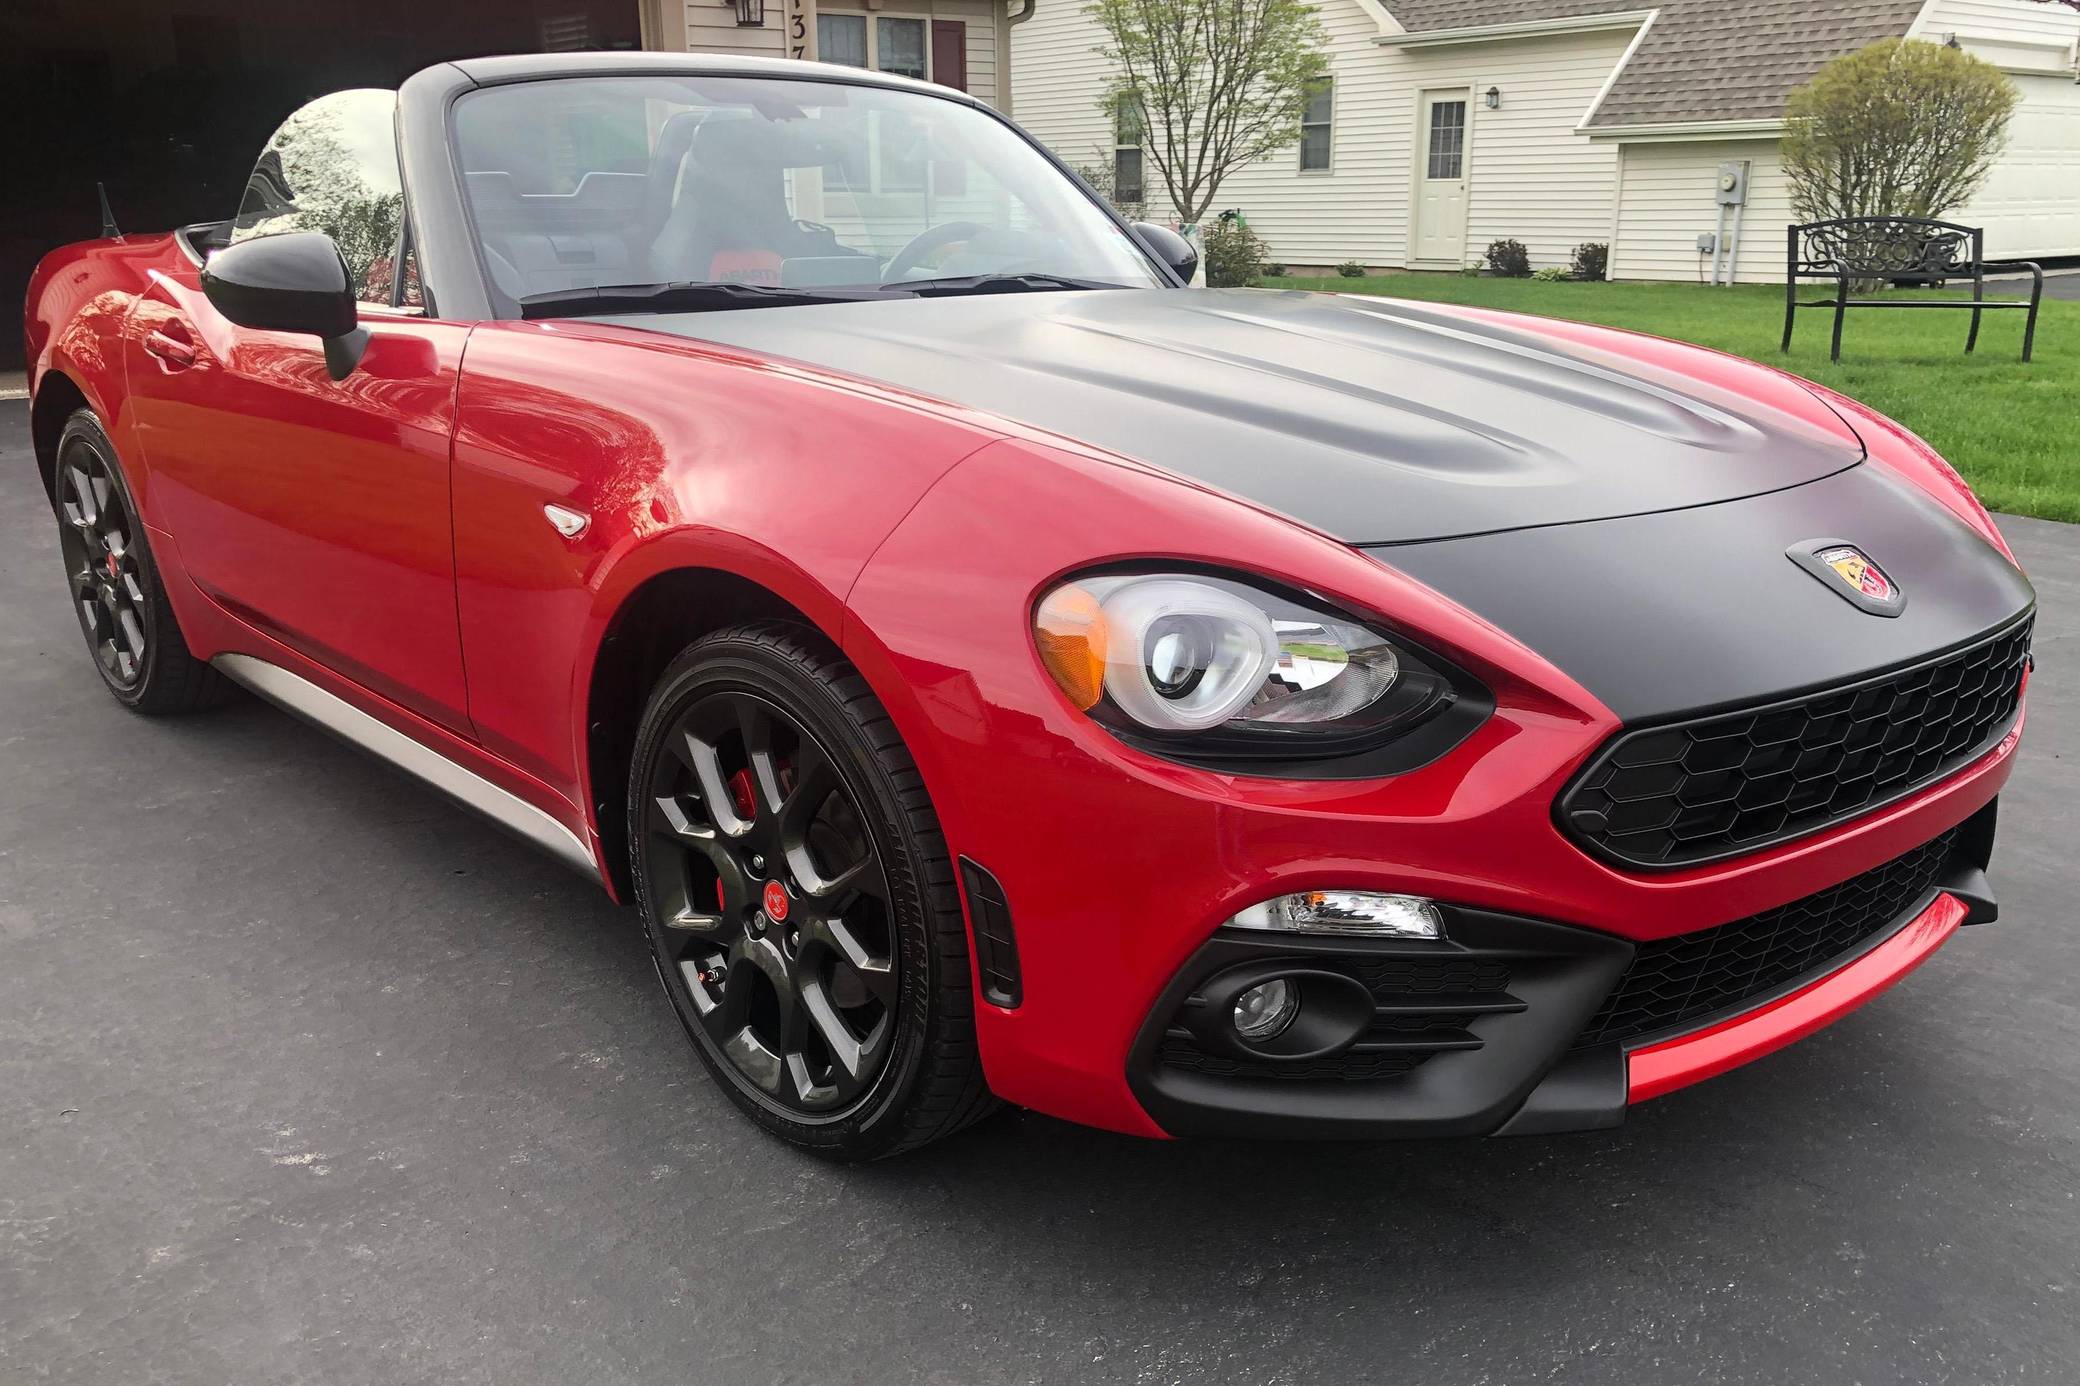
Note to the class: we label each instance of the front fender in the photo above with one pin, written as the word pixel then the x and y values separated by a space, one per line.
pixel 682 456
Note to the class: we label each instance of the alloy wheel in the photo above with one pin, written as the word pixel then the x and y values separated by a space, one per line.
pixel 99 541
pixel 772 906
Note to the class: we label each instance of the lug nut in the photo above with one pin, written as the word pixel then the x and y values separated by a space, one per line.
pixel 758 863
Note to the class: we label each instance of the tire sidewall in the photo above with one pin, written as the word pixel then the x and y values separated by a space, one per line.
pixel 84 427
pixel 727 663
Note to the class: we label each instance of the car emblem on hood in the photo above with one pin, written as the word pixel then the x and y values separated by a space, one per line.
pixel 1851 574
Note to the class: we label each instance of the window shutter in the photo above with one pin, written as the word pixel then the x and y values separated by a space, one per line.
pixel 950 53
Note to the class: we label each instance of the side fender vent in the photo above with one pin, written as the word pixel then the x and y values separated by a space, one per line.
pixel 996 946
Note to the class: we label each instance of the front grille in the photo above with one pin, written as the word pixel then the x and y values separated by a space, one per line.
pixel 1720 786
pixel 1674 982
pixel 1403 1036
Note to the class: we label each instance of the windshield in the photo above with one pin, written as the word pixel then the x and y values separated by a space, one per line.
pixel 767 182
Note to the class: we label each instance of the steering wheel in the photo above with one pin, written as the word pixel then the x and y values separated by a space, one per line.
pixel 927 241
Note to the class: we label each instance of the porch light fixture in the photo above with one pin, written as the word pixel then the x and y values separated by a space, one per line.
pixel 1492 98
pixel 751 14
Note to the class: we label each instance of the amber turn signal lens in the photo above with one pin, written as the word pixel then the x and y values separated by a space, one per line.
pixel 1070 630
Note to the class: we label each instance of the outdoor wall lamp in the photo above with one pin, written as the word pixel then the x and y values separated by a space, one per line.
pixel 751 14
pixel 1493 98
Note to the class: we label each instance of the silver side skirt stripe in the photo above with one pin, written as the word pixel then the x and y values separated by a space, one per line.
pixel 351 724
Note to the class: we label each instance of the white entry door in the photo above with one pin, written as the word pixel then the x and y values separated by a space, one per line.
pixel 1440 216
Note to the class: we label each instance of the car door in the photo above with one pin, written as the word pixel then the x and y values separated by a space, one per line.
pixel 317 510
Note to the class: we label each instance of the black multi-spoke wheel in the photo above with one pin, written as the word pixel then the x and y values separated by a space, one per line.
pixel 115 588
pixel 799 899
pixel 97 537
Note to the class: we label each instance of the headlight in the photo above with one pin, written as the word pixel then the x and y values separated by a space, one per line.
pixel 1214 668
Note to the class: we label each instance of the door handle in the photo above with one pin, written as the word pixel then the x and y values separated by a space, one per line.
pixel 175 353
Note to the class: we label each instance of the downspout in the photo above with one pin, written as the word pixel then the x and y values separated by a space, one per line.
pixel 1025 12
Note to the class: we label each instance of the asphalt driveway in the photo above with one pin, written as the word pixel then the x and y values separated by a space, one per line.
pixel 306 1076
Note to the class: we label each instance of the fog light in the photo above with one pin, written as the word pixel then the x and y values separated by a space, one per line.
pixel 1358 912
pixel 1264 1011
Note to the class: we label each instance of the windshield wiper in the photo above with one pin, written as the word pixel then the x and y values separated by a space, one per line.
pixel 694 297
pixel 998 284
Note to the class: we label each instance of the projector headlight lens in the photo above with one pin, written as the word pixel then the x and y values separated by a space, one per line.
pixel 1216 665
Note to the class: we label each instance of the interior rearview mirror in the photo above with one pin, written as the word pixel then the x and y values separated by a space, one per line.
pixel 1169 247
pixel 294 281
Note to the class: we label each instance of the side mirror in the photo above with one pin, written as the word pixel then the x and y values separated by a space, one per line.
pixel 1169 247
pixel 294 281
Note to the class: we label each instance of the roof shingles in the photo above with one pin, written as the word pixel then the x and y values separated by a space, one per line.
pixel 1703 60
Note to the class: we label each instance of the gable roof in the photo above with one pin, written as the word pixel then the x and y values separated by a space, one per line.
pixel 1701 60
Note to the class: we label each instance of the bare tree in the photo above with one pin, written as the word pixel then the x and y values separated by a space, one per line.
pixel 1216 84
pixel 1901 128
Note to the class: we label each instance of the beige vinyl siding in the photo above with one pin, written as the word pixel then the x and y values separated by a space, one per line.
pixel 1529 175
pixel 2024 23
pixel 1057 81
pixel 1668 197
pixel 711 27
pixel 982 18
pixel 1358 209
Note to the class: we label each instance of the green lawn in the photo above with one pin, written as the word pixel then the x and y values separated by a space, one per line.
pixel 2008 427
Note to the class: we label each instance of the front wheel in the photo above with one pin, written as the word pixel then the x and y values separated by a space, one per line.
pixel 799 898
pixel 122 607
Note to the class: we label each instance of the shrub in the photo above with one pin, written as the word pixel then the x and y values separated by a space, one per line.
pixel 1234 255
pixel 1552 274
pixel 1274 270
pixel 1351 269
pixel 1592 260
pixel 1472 271
pixel 1508 259
pixel 1099 174
pixel 1901 128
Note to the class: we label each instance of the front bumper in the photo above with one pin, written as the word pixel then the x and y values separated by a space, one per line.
pixel 1517 1026
pixel 1111 869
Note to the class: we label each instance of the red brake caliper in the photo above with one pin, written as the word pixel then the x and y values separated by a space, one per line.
pixel 740 797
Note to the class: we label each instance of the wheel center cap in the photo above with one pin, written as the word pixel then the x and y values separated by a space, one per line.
pixel 775 902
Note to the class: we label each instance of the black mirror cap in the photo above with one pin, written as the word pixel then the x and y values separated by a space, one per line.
pixel 293 281
pixel 1169 247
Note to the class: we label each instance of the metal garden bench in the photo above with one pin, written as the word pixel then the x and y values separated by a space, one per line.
pixel 1903 251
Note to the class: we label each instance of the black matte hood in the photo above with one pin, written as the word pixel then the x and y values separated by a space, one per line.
pixel 1372 420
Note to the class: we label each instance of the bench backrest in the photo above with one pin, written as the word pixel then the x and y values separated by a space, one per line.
pixel 1888 246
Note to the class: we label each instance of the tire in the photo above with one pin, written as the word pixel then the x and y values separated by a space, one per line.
pixel 129 624
pixel 840 1015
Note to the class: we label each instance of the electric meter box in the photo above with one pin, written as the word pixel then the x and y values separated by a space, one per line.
pixel 1733 183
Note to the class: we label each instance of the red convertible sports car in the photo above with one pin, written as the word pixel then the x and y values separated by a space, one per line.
pixel 997 670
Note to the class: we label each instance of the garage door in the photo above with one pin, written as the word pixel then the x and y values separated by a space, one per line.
pixel 2030 204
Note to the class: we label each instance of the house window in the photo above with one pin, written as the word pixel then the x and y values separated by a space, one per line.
pixel 899 46
pixel 842 38
pixel 1315 126
pixel 1127 182
pixel 893 43
pixel 1447 139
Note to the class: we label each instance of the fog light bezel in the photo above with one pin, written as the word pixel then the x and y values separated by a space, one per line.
pixel 1334 1011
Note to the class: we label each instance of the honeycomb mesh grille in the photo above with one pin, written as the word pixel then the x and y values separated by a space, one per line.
pixel 1720 786
pixel 1673 982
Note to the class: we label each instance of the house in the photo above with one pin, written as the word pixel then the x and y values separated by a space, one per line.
pixel 957 43
pixel 1446 124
